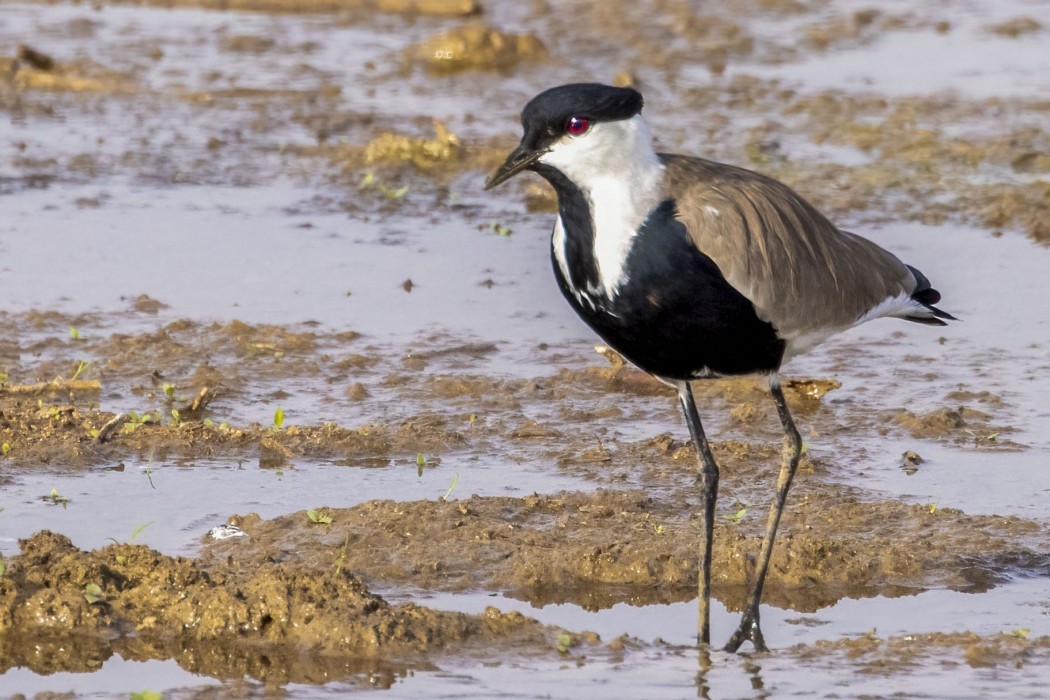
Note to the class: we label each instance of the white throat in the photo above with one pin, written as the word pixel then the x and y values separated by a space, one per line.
pixel 619 173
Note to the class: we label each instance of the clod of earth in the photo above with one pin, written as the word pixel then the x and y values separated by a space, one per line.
pixel 476 46
pixel 175 603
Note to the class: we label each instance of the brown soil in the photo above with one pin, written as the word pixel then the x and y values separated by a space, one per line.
pixel 634 542
pixel 265 618
pixel 255 606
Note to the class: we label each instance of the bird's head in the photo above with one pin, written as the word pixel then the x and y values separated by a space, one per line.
pixel 579 130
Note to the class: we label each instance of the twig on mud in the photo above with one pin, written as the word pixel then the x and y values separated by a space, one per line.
pixel 114 424
pixel 198 404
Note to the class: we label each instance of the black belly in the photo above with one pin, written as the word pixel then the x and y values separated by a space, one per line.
pixel 676 316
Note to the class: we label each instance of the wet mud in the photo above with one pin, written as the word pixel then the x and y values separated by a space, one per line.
pixel 635 542
pixel 292 601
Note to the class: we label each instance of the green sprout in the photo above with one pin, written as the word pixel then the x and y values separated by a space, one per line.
pixel 56 499
pixel 93 593
pixel 278 418
pixel 74 333
pixel 341 559
pixel 138 530
pixel 737 516
pixel 81 366
pixel 565 642
pixel 146 695
pixel 393 192
pixel 455 480
pixel 319 517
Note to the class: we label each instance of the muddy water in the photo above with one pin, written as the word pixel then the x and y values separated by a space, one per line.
pixel 216 200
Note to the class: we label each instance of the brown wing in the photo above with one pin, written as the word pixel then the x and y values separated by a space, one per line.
pixel 800 271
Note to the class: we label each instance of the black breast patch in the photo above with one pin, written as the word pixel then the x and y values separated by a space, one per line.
pixel 675 315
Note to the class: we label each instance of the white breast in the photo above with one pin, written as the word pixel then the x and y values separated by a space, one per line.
pixel 619 173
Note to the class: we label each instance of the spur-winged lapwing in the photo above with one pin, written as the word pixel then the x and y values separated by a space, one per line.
pixel 692 269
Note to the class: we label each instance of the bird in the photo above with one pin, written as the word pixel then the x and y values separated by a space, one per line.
pixel 693 269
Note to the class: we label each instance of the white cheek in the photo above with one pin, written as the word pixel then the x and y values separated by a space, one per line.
pixel 619 174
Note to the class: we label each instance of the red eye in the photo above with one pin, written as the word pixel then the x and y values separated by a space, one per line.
pixel 577 125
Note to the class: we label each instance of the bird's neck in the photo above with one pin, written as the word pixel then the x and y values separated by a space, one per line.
pixel 601 210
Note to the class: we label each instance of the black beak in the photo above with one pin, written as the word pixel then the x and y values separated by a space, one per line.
pixel 521 158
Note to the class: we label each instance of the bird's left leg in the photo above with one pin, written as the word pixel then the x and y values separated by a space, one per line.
pixel 707 478
pixel 749 627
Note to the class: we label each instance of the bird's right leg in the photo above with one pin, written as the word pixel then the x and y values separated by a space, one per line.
pixel 749 623
pixel 707 478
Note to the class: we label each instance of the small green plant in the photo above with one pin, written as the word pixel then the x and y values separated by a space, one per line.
pixel 146 695
pixel 134 533
pixel 319 517
pixel 136 421
pixel 455 480
pixel 421 461
pixel 658 529
pixel 369 181
pixel 498 229
pixel 56 499
pixel 737 516
pixel 5 448
pixel 81 366
pixel 565 642
pixel 74 333
pixel 1020 632
pixel 169 390
pixel 341 559
pixel 278 418
pixel 3 379
pixel 138 530
pixel 393 192
pixel 149 474
pixel 93 593
pixel 3 566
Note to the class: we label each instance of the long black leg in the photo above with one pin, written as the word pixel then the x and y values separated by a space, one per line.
pixel 707 477
pixel 749 627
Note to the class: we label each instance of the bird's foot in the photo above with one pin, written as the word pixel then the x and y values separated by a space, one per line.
pixel 748 630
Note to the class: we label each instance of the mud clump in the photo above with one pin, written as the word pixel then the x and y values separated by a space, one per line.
pixel 64 433
pixel 1018 26
pixel 476 47
pixel 961 424
pixel 423 153
pixel 556 549
pixel 32 69
pixel 52 587
pixel 871 654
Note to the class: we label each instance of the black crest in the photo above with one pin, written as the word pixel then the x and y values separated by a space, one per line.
pixel 547 113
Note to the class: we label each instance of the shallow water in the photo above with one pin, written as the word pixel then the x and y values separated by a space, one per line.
pixel 250 233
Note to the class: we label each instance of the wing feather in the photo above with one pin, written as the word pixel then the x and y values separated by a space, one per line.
pixel 803 274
